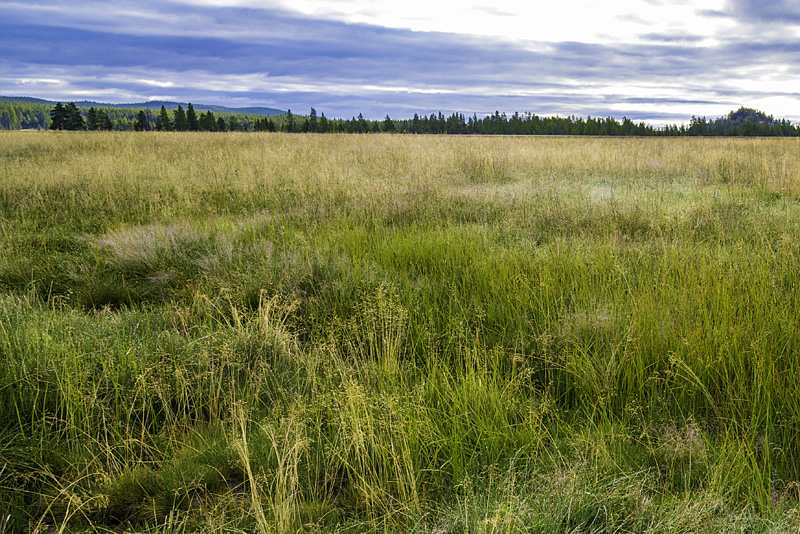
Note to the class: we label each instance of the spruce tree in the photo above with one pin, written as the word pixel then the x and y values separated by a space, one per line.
pixel 58 117
pixel 221 126
pixel 179 115
pixel 415 124
pixel 191 118
pixel 163 123
pixel 75 120
pixel 142 124
pixel 312 120
pixel 103 122
pixel 388 125
pixel 207 122
pixel 91 117
pixel 363 126
pixel 288 126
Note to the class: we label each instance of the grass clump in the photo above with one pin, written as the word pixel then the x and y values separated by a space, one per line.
pixel 287 333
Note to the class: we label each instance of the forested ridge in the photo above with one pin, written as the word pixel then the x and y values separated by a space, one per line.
pixel 20 113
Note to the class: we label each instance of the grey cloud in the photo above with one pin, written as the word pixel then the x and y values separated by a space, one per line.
pixel 758 12
pixel 280 59
pixel 671 38
pixel 765 11
pixel 711 13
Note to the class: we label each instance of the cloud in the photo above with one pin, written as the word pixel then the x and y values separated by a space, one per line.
pixel 775 13
pixel 333 51
pixel 671 38
pixel 711 13
pixel 491 10
pixel 636 19
pixel 765 11
pixel 243 56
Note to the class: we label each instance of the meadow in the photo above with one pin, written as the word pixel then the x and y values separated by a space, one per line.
pixel 395 333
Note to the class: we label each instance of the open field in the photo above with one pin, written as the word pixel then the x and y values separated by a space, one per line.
pixel 299 333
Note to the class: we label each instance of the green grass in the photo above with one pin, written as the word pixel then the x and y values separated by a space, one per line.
pixel 289 333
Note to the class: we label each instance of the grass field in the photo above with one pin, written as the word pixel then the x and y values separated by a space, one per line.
pixel 299 333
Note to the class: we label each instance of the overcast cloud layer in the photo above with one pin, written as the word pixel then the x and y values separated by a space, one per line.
pixel 654 60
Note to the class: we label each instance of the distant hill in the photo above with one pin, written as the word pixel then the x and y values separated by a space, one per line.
pixel 153 104
pixel 745 122
pixel 744 115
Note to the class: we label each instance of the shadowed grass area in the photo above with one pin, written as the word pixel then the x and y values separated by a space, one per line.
pixel 284 333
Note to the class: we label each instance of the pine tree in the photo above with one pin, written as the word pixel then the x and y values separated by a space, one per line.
pixel 142 124
pixel 75 120
pixel 288 126
pixel 415 124
pixel 363 127
pixel 58 117
pixel 191 118
pixel 207 122
pixel 312 120
pixel 179 116
pixel 91 121
pixel 103 122
pixel 163 123
pixel 221 126
pixel 388 125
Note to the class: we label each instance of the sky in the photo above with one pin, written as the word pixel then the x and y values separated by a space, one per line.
pixel 658 61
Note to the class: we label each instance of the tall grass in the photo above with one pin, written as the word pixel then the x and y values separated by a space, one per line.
pixel 283 333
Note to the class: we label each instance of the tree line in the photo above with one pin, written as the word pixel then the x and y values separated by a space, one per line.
pixel 35 116
pixel 189 121
pixel 69 117
pixel 742 122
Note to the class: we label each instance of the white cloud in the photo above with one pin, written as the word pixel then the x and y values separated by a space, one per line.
pixel 594 21
pixel 30 81
pixel 156 83
pixel 656 58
